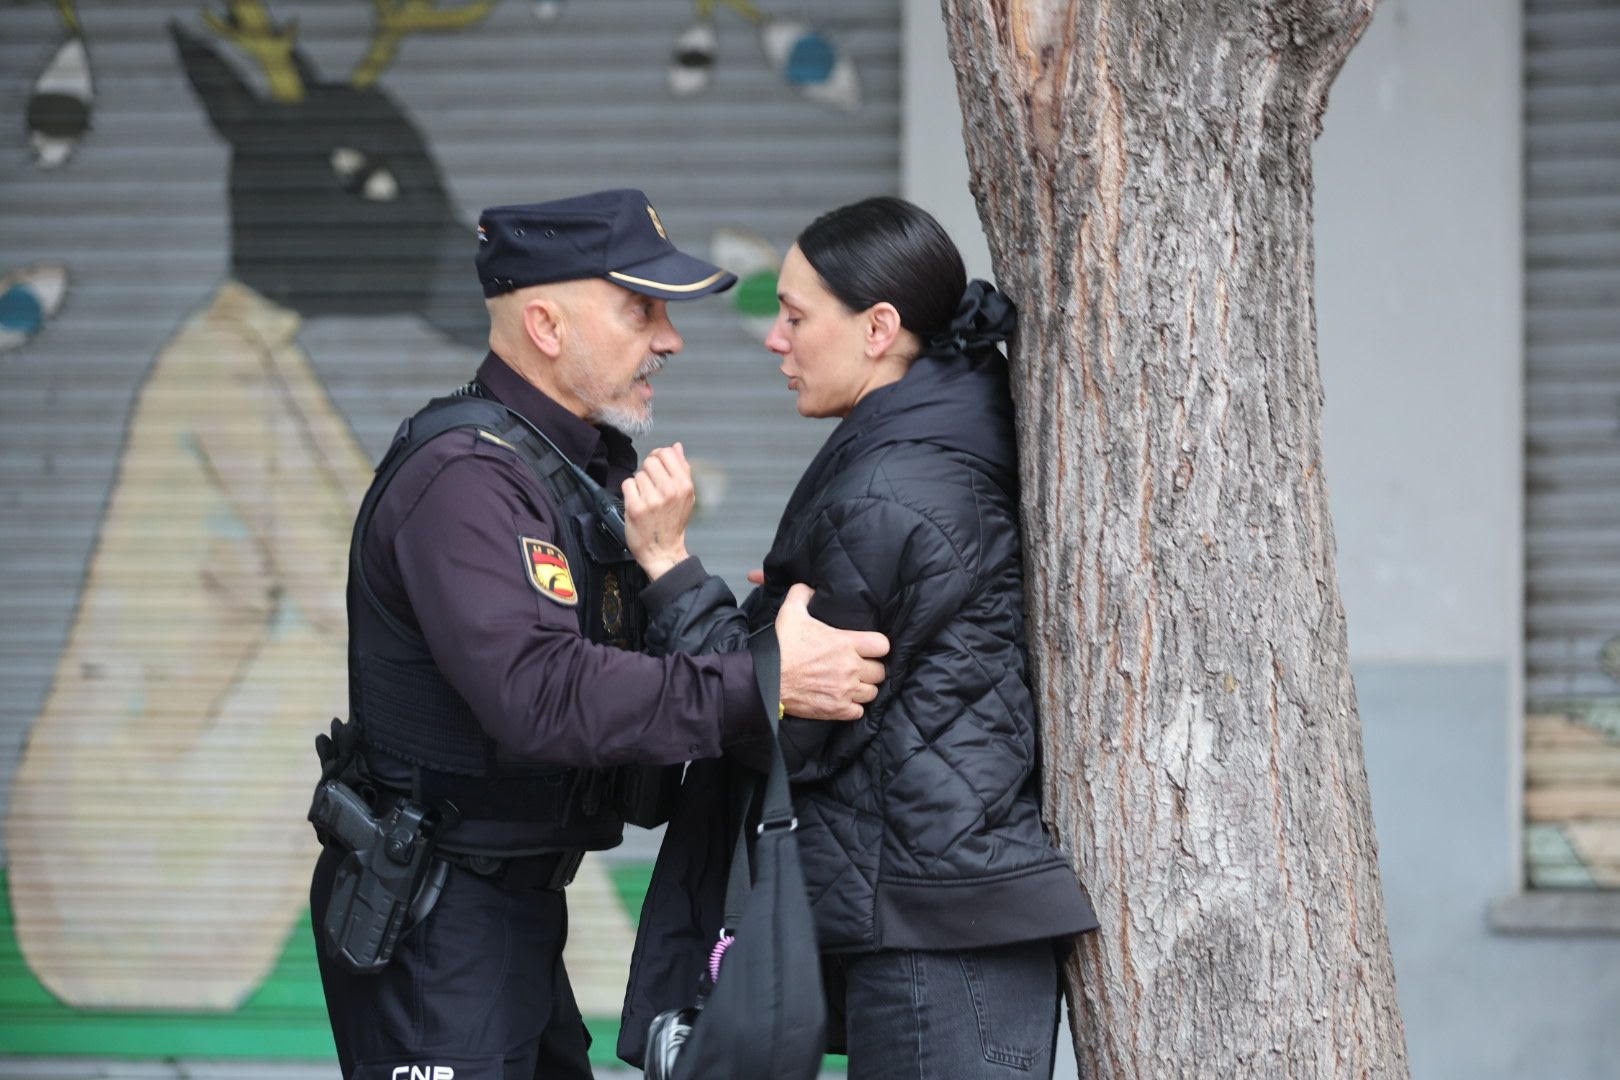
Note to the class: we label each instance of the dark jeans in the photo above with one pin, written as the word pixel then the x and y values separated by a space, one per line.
pixel 989 1013
pixel 478 988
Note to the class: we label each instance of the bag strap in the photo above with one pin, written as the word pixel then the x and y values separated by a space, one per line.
pixel 777 809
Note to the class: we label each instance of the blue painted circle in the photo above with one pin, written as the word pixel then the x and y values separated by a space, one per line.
pixel 20 310
pixel 811 60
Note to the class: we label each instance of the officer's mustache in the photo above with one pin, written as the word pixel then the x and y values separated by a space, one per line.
pixel 652 365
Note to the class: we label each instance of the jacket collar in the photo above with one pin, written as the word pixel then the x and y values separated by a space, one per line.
pixel 604 452
pixel 955 404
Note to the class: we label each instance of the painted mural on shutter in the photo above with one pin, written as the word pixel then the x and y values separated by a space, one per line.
pixel 1572 242
pixel 236 252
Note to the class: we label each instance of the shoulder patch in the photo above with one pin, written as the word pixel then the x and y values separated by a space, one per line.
pixel 548 571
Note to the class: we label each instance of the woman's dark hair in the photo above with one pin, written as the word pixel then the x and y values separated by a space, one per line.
pixel 884 248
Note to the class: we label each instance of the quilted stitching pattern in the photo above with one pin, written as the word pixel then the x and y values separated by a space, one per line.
pixel 937 781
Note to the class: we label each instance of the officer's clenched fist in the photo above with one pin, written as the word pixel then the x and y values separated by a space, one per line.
pixel 657 506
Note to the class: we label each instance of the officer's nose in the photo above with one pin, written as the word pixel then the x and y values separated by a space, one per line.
pixel 667 339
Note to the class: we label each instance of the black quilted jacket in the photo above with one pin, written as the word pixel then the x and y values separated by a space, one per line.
pixel 919 825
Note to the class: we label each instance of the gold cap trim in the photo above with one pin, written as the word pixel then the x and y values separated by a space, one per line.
pixel 710 280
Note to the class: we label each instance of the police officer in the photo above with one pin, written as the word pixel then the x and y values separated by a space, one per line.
pixel 498 679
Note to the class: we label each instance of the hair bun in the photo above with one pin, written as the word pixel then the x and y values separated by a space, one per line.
pixel 984 319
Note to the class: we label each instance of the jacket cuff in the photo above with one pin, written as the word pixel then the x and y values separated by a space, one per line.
pixel 745 726
pixel 684 575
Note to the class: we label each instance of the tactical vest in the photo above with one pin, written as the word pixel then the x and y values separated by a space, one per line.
pixel 418 734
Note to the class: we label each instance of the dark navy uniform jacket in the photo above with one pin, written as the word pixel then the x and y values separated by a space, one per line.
pixel 445 554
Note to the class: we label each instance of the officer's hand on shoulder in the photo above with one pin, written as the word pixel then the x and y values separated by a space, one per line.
pixel 827 673
pixel 658 502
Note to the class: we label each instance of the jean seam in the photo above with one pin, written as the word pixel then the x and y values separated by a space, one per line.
pixel 919 988
pixel 998 1055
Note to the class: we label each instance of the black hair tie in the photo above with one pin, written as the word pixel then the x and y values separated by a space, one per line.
pixel 984 319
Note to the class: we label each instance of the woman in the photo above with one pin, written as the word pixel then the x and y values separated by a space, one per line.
pixel 937 895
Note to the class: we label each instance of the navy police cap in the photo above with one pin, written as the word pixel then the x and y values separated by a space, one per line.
pixel 615 235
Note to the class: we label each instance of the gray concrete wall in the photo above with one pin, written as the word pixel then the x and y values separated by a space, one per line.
pixel 1479 1005
pixel 1419 285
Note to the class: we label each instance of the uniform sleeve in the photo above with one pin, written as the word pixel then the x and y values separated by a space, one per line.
pixel 877 565
pixel 692 611
pixel 515 653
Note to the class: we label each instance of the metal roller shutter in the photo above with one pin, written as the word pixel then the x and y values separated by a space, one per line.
pixel 189 411
pixel 1572 244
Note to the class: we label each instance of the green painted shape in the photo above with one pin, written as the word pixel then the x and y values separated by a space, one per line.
pixel 284 1019
pixel 630 882
pixel 755 294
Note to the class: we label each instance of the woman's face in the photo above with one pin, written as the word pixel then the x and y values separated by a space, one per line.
pixel 823 345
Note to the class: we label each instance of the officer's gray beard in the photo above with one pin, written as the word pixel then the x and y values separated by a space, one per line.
pixel 598 398
pixel 632 424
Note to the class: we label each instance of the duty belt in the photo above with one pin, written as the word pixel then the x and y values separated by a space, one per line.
pixel 550 872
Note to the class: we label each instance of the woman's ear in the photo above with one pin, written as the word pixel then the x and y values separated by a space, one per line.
pixel 882 329
pixel 544 324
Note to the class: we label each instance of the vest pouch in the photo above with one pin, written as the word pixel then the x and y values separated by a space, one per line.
pixel 645 795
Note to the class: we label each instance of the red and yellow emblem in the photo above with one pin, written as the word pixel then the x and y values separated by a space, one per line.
pixel 548 571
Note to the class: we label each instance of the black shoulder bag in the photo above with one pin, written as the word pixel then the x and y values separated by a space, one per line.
pixel 762 1013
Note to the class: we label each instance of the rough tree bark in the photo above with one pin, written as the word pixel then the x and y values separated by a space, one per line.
pixel 1143 172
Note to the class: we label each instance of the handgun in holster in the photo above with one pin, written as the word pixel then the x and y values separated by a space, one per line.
pixel 388 878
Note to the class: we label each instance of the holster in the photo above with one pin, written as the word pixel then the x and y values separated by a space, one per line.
pixel 387 880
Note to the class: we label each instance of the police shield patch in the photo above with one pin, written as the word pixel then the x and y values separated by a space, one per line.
pixel 548 571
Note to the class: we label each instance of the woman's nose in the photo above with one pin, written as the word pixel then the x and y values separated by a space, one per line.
pixel 775 341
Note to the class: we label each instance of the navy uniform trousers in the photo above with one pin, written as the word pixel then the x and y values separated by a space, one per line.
pixel 477 991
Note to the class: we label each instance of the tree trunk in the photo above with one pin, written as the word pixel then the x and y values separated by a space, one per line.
pixel 1143 172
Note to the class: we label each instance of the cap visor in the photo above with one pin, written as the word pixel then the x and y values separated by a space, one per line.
pixel 673 276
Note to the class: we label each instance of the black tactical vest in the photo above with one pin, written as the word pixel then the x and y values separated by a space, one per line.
pixel 419 735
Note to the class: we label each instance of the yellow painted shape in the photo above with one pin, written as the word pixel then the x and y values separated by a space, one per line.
pixel 158 849
pixel 1572 776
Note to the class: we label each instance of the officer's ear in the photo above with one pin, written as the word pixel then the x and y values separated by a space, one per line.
pixel 545 325
pixel 881 329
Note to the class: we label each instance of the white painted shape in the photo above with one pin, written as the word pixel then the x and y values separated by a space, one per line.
pixel 47 280
pixel 381 186
pixel 68 72
pixel 51 151
pixel 840 90
pixel 699 37
pixel 346 160
pixel 742 252
pixel 777 38
pixel 686 82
